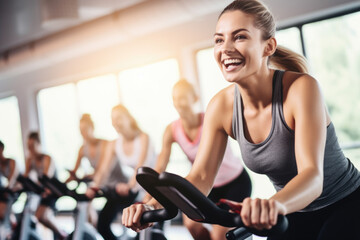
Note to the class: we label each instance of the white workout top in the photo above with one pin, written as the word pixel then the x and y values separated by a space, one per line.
pixel 129 162
pixel 132 159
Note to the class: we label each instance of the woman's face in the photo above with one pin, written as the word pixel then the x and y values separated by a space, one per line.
pixel 86 130
pixel 183 100
pixel 120 122
pixel 33 145
pixel 239 48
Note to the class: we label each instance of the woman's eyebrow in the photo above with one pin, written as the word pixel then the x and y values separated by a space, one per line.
pixel 233 32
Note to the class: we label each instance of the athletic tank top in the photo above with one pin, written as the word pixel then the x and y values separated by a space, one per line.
pixel 231 166
pixel 128 163
pixel 93 160
pixel 40 168
pixel 275 156
pixel 115 174
pixel 132 159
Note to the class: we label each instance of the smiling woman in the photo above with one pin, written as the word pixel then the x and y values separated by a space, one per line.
pixel 296 145
pixel 132 52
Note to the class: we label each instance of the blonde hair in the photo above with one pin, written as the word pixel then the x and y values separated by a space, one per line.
pixel 86 118
pixel 283 58
pixel 123 110
pixel 184 84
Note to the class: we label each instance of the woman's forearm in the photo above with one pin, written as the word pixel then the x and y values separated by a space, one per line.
pixel 301 190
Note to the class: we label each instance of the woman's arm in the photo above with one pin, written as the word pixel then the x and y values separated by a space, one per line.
pixel 213 142
pixel 47 164
pixel 27 166
pixel 77 165
pixel 14 171
pixel 144 139
pixel 78 160
pixel 164 156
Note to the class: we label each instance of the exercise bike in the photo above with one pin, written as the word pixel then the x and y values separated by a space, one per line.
pixel 28 221
pixel 8 196
pixel 83 229
pixel 174 192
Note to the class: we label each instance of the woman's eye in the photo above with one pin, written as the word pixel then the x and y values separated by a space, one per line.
pixel 218 40
pixel 240 37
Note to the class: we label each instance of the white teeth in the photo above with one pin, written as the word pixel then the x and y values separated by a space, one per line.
pixel 232 60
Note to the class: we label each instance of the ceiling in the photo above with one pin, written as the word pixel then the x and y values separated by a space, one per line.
pixel 21 21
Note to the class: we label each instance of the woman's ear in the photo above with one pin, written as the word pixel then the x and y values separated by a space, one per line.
pixel 270 47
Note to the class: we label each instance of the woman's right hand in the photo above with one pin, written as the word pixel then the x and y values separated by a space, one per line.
pixel 131 216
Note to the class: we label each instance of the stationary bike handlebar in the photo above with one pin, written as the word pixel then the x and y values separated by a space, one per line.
pixel 30 185
pixel 174 192
pixel 60 189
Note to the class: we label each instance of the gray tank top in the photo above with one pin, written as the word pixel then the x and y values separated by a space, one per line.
pixel 93 160
pixel 275 156
pixel 114 175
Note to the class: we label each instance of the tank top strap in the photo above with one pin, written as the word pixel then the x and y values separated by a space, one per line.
pixel 277 100
pixel 237 121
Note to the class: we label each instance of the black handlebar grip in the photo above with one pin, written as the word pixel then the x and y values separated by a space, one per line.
pixel 156 216
pixel 238 233
pixel 277 230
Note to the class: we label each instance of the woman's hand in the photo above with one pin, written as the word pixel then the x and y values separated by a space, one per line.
pixel 131 216
pixel 260 213
pixel 91 190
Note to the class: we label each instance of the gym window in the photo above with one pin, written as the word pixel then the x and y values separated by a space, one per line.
pixel 10 129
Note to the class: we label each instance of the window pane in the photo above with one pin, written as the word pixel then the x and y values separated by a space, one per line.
pixel 210 77
pixel 97 96
pixel 146 92
pixel 290 38
pixel 59 124
pixel 334 55
pixel 10 130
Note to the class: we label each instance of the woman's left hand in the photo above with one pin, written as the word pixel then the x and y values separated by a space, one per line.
pixel 261 213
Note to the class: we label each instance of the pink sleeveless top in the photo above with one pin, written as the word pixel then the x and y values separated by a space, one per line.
pixel 231 166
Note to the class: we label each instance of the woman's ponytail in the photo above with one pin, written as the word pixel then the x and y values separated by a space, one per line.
pixel 285 59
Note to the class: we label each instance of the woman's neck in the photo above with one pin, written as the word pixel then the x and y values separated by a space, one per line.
pixel 91 141
pixel 256 90
pixel 131 134
pixel 2 158
pixel 191 120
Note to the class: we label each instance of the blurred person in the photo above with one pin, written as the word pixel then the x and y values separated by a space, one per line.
pixel 93 150
pixel 38 164
pixel 232 181
pixel 8 174
pixel 132 149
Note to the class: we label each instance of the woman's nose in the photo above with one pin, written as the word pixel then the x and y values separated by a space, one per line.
pixel 227 46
